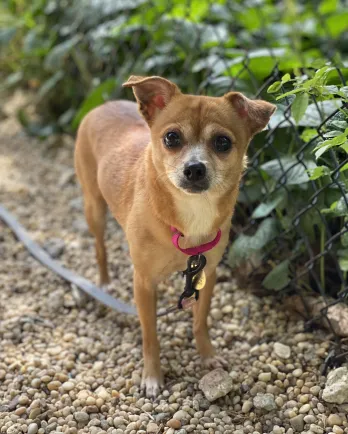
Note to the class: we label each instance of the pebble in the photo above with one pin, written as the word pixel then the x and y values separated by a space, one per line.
pixel 68 385
pixel 282 351
pixel 336 387
pixel 174 423
pixel 33 428
pixel 247 406
pixel 316 429
pixel 264 401
pixel 337 430
pixel 152 428
pixel 305 408
pixel 334 419
pixel 216 384
pixel 265 376
pixel 297 373
pixel 81 416
pixel 182 415
pixel 297 423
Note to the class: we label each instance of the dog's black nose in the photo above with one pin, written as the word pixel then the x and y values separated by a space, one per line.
pixel 195 171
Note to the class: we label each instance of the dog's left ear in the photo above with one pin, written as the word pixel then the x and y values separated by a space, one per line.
pixel 152 94
pixel 256 113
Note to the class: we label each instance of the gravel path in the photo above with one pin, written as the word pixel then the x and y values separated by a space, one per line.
pixel 72 369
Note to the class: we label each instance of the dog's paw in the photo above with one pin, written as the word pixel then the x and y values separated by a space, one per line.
pixel 215 362
pixel 151 386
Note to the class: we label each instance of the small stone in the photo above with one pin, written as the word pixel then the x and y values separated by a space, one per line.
pixel 68 385
pixel 118 421
pixel 103 393
pixel 277 430
pixel 282 351
pixel 336 387
pixel 297 373
pixel 147 407
pixel 81 416
pixel 334 419
pixel 33 428
pixel 315 390
pixel 182 415
pixel 309 418
pixel 152 428
pixel 265 376
pixel 297 423
pixel 305 408
pixel 23 400
pixel 2 374
pixel 337 430
pixel 247 406
pixel 53 385
pixel 264 401
pixel 216 384
pixel 320 407
pixel 34 413
pixel 316 429
pixel 216 314
pixel 174 423
pixel 19 411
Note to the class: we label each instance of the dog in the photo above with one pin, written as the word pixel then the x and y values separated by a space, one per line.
pixel 175 161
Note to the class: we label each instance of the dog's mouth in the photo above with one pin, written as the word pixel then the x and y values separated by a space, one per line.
pixel 195 187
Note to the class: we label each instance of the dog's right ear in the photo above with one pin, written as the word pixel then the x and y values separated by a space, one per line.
pixel 152 93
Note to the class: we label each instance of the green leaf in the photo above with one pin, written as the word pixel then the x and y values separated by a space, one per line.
pixel 294 171
pixel 286 78
pixel 309 134
pixel 327 6
pixel 343 264
pixel 55 58
pixel 49 84
pixel 338 208
pixel 278 278
pixel 343 168
pixel 275 87
pixel 264 209
pixel 318 172
pixel 299 106
pixel 95 98
pixel 247 245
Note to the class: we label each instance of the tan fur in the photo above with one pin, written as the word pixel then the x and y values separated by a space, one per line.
pixel 122 162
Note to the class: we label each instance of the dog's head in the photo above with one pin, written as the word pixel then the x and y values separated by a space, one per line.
pixel 199 142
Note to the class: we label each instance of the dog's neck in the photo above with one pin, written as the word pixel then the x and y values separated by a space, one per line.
pixel 198 217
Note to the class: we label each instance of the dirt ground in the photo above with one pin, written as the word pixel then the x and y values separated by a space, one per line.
pixel 72 369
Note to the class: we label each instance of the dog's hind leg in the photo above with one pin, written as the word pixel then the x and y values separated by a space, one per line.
pixel 95 211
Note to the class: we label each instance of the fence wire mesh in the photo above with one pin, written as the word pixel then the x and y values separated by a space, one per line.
pixel 290 231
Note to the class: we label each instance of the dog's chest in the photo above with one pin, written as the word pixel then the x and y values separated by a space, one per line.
pixel 197 215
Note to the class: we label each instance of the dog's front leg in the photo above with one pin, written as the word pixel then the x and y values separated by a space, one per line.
pixel 200 326
pixel 145 298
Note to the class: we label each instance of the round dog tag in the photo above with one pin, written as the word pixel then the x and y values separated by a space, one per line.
pixel 199 280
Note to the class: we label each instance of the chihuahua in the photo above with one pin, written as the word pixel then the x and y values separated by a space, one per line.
pixel 175 163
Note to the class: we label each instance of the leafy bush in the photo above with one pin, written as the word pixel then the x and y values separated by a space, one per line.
pixel 304 187
pixel 77 54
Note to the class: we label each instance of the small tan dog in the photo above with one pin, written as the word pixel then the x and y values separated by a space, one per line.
pixel 179 165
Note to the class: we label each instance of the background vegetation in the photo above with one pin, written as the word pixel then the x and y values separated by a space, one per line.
pixel 291 222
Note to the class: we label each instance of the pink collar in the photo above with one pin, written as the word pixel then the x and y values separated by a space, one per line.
pixel 192 251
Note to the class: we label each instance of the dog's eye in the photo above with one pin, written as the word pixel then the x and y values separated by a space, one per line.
pixel 172 139
pixel 222 144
